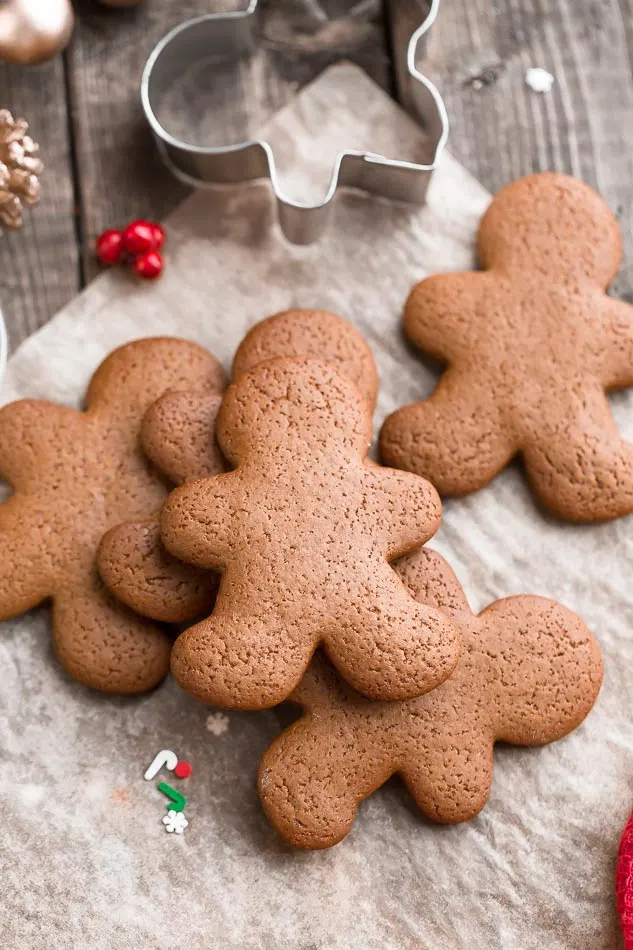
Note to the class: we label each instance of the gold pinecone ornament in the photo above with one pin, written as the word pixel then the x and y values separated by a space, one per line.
pixel 20 168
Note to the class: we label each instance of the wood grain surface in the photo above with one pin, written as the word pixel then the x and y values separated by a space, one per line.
pixel 102 168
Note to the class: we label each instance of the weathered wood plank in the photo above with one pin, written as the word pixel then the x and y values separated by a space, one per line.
pixel 121 176
pixel 39 264
pixel 478 53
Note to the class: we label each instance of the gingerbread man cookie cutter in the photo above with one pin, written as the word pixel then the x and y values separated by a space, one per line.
pixel 232 36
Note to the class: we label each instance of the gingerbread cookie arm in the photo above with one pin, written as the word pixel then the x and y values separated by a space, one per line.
pixel 457 438
pixel 238 659
pixel 137 568
pixel 618 362
pixel 404 510
pixel 440 313
pixel 104 645
pixel 312 778
pixel 178 435
pixel 197 521
pixel 576 460
pixel 20 453
pixel 546 669
pixel 27 575
pixel 388 646
pixel 452 783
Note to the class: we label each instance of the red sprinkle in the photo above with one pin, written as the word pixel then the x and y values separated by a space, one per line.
pixel 182 770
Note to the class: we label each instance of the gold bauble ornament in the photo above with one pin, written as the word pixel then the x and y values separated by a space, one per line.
pixel 32 31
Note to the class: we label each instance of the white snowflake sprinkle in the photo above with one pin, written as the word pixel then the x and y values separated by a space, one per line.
pixel 175 822
pixel 538 79
pixel 217 723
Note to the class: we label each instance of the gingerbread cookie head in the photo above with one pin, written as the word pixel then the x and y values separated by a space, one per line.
pixel 302 531
pixel 295 408
pixel 532 342
pixel 551 224
pixel 74 475
pixel 528 674
pixel 315 333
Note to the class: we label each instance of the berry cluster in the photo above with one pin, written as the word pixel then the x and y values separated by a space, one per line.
pixel 137 245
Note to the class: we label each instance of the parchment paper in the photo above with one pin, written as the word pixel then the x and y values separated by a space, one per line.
pixel 84 858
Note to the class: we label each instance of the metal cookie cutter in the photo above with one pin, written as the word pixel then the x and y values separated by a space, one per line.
pixel 218 37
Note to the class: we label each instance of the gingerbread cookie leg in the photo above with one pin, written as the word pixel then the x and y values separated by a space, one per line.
pixel 455 438
pixel 103 644
pixel 305 795
pixel 309 794
pixel 577 462
pixel 451 782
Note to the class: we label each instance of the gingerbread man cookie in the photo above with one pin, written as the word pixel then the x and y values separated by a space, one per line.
pixel 74 475
pixel 528 674
pixel 302 530
pixel 532 342
pixel 178 435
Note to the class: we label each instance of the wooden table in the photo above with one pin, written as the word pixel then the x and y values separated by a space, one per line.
pixel 102 168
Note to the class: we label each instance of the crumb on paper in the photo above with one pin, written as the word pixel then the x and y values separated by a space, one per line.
pixel 217 723
pixel 538 79
pixel 120 795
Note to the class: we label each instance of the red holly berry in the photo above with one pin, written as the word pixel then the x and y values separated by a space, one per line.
pixel 110 246
pixel 139 237
pixel 159 235
pixel 149 265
